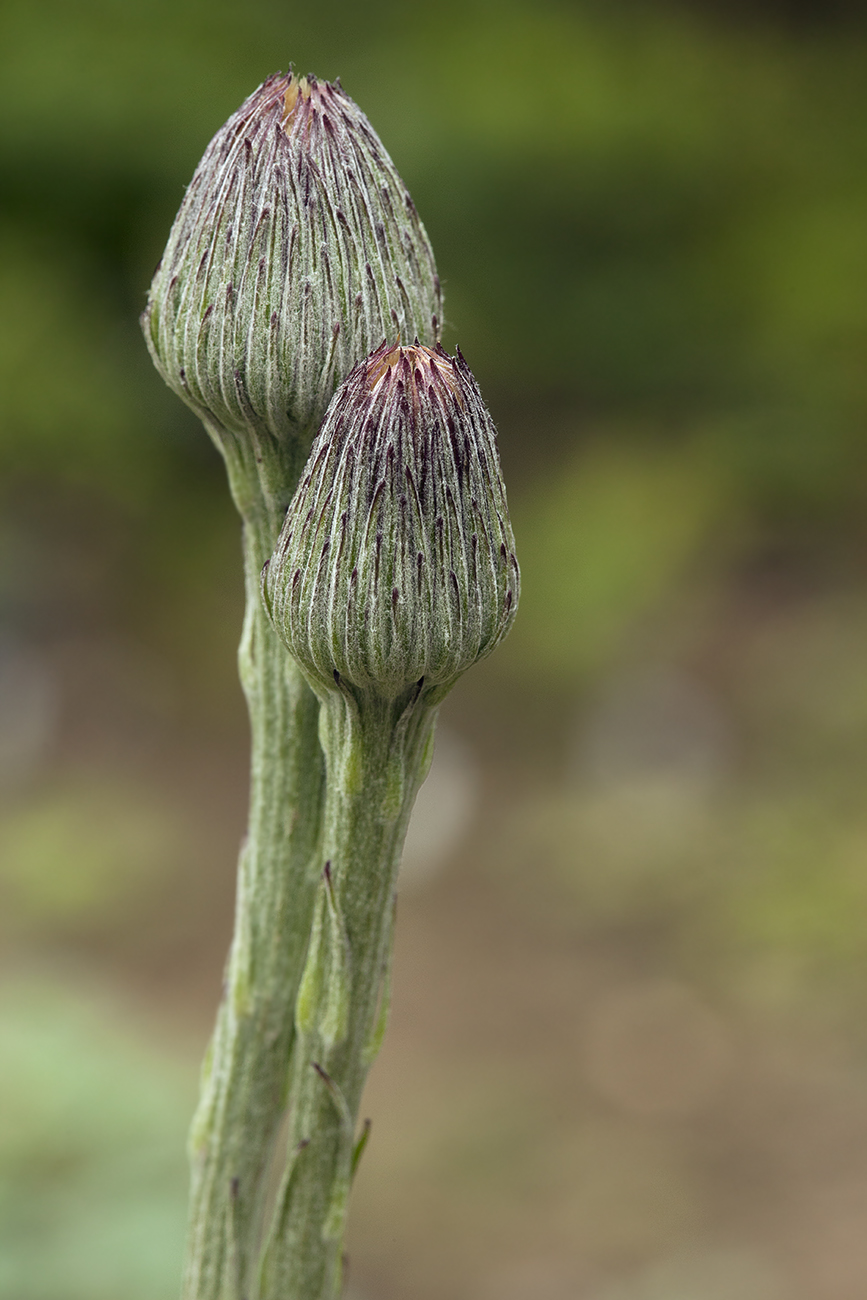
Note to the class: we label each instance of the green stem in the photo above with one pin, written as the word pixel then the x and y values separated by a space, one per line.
pixel 245 1075
pixel 376 754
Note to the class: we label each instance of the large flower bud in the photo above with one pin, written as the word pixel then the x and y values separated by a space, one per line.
pixel 296 249
pixel 396 560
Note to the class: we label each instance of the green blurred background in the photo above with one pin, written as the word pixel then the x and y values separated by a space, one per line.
pixel 627 1058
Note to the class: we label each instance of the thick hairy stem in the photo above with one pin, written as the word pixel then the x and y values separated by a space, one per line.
pixel 376 755
pixel 245 1074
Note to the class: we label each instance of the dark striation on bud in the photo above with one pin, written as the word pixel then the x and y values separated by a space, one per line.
pixel 396 560
pixel 296 249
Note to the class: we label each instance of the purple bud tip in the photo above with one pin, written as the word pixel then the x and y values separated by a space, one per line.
pixel 394 369
pixel 304 96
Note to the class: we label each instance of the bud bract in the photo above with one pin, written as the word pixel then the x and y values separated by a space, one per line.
pixel 396 560
pixel 296 249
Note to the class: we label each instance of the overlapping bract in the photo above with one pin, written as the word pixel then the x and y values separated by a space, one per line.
pixel 396 560
pixel 296 249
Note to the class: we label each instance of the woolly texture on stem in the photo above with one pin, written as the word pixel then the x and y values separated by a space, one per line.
pixel 376 753
pixel 244 1078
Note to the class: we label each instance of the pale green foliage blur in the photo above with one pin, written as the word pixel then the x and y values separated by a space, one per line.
pixel 92 1178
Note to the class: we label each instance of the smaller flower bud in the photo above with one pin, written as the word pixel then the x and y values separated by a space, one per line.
pixel 396 559
pixel 295 250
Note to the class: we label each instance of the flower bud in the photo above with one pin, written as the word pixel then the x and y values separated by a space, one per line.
pixel 396 559
pixel 296 249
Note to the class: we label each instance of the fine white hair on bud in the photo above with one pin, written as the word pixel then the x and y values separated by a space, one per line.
pixel 296 249
pixel 396 559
